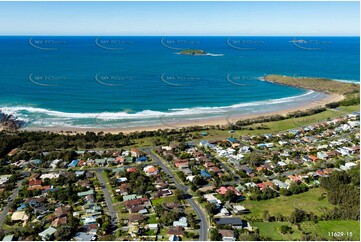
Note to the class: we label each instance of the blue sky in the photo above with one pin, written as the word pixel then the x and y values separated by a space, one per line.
pixel 180 18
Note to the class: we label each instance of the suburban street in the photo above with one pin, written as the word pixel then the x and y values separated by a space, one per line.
pixel 107 197
pixel 203 231
pixel 11 199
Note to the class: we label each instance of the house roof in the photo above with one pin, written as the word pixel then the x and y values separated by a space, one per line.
pixel 60 211
pixel 205 173
pixel 132 169
pixel 35 183
pixel 231 221
pixel 175 230
pixel 135 217
pixel 48 232
pixel 8 237
pixel 226 233
pixel 83 194
pixel 19 215
pixel 59 221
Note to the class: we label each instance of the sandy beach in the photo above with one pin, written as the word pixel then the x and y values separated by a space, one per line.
pixel 176 124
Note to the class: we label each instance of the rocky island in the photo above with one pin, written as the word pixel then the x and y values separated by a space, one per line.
pixel 192 52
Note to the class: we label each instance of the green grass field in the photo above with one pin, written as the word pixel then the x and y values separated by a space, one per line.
pixel 164 200
pixel 271 230
pixel 275 126
pixel 323 228
pixel 284 125
pixel 349 228
pixel 307 201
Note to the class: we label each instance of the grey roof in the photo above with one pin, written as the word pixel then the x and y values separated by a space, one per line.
pixel 81 236
pixel 8 237
pixel 232 221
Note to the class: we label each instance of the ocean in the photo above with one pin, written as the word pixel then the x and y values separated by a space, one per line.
pixel 130 81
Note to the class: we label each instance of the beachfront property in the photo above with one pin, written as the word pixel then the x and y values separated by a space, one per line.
pixel 219 171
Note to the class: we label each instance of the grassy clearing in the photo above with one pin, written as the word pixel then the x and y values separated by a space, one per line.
pixel 275 126
pixel 283 125
pixel 164 200
pixel 307 201
pixel 323 228
pixel 271 230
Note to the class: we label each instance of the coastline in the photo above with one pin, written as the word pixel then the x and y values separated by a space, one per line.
pixel 329 98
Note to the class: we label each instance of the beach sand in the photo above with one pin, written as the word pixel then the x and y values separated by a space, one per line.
pixel 176 124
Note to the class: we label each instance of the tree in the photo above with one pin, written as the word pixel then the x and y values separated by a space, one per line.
pixel 215 235
pixel 179 194
pixel 297 216
pixel 284 229
pixel 285 192
pixel 230 195
pixel 211 208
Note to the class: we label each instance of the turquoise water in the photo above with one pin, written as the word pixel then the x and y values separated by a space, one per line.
pixel 136 81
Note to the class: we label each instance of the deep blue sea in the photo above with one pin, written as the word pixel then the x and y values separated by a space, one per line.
pixel 137 81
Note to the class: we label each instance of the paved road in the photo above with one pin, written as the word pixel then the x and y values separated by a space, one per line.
pixel 199 212
pixel 107 197
pixel 234 176
pixel 8 205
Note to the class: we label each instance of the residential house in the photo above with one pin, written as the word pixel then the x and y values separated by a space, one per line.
pixel 47 234
pixel 134 152
pixel 235 222
pixel 227 234
pixel 182 222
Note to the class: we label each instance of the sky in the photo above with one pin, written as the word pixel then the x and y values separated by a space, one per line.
pixel 181 18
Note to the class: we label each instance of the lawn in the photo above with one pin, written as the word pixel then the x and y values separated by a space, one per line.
pixel 271 230
pixel 164 200
pixel 323 228
pixel 152 219
pixel 283 125
pixel 275 126
pixel 307 201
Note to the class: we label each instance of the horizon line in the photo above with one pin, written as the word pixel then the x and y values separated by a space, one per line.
pixel 95 35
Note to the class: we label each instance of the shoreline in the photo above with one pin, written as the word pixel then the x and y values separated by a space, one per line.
pixel 225 120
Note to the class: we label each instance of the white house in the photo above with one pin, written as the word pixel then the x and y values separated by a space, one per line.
pixel 348 166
